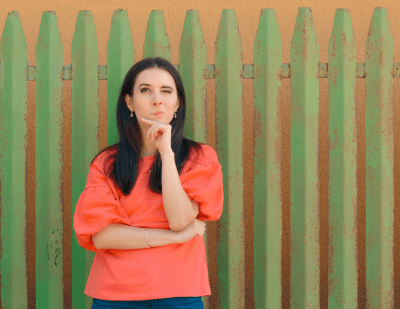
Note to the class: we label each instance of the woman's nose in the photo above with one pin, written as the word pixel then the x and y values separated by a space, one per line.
pixel 156 99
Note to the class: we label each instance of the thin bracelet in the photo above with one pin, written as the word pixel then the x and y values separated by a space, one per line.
pixel 145 230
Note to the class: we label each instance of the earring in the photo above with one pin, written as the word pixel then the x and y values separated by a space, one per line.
pixel 175 115
pixel 131 114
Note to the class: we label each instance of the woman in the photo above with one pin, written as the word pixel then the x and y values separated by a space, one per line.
pixel 146 200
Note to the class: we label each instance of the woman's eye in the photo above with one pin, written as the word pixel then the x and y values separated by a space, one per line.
pixel 144 89
pixel 168 91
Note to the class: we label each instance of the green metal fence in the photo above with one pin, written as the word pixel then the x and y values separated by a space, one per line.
pixel 304 71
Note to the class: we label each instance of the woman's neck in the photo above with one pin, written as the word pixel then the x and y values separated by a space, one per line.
pixel 148 148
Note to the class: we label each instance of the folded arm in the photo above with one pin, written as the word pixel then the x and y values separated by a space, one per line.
pixel 179 209
pixel 123 237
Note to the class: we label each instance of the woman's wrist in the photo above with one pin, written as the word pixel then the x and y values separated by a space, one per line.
pixel 161 237
pixel 175 236
pixel 167 154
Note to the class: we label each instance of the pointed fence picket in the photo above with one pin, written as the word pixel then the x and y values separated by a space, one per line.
pixel 49 154
pixel 192 68
pixel 84 137
pixel 379 151
pixel 229 141
pixel 342 79
pixel 13 182
pixel 156 42
pixel 268 162
pixel 304 72
pixel 304 212
pixel 120 58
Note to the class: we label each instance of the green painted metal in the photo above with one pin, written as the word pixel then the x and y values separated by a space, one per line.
pixel 229 72
pixel 85 142
pixel 120 58
pixel 342 81
pixel 156 43
pixel 304 215
pixel 267 125
pixel 229 140
pixel 49 154
pixel 379 141
pixel 13 148
pixel 192 68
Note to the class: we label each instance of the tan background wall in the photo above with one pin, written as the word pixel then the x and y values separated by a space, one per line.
pixel 248 14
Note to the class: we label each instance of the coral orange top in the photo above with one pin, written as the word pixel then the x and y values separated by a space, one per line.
pixel 174 270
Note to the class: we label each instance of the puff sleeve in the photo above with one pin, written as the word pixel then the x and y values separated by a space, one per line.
pixel 203 184
pixel 97 207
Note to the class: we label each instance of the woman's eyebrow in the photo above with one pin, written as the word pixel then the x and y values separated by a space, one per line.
pixel 148 85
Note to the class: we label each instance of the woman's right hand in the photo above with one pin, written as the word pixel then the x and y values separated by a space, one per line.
pixel 195 228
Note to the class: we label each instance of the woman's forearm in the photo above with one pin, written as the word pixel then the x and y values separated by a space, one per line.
pixel 179 209
pixel 124 237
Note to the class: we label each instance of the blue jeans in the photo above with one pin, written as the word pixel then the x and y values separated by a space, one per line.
pixel 163 303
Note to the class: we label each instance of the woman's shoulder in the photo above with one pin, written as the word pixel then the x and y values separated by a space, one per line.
pixel 99 171
pixel 209 152
pixel 203 154
pixel 202 168
pixel 105 157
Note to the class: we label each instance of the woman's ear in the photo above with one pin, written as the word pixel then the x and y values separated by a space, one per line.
pixel 129 102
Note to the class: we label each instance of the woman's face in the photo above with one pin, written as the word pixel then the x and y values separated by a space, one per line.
pixel 155 97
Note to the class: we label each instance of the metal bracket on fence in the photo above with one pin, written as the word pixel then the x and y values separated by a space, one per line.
pixel 360 70
pixel 102 72
pixel 210 71
pixel 31 73
pixel 67 72
pixel 286 70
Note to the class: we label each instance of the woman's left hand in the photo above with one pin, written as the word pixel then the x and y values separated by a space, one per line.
pixel 160 134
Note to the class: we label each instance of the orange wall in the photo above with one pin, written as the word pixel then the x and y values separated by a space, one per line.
pixel 248 14
pixel 210 12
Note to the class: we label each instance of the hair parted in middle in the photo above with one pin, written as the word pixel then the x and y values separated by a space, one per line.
pixel 123 160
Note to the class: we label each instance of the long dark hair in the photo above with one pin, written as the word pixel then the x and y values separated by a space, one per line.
pixel 122 164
